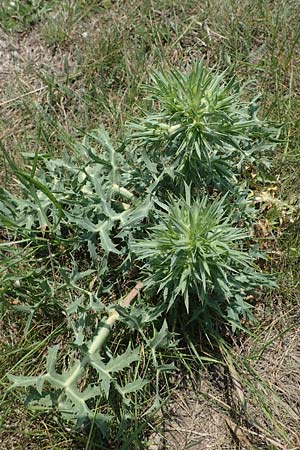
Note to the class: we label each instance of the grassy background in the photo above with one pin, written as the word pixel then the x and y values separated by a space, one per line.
pixel 69 66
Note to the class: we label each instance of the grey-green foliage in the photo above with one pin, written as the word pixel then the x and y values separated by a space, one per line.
pixel 78 405
pixel 115 203
pixel 201 128
pixel 91 385
pixel 79 199
pixel 196 254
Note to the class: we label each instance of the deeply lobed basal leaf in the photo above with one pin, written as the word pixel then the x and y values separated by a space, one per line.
pixel 78 405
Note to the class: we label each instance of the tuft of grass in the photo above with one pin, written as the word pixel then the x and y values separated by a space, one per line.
pixel 18 15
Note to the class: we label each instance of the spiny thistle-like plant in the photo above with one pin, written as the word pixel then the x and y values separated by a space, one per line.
pixel 111 204
pixel 201 127
pixel 194 253
pixel 62 391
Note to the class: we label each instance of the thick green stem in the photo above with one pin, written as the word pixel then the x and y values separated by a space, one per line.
pixel 104 331
pixel 102 335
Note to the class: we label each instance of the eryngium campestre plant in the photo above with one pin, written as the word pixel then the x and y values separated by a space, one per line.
pixel 195 255
pixel 202 128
